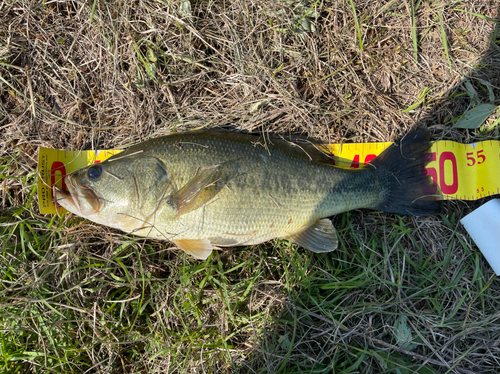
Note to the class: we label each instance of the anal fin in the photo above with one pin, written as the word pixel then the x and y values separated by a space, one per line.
pixel 319 237
pixel 198 248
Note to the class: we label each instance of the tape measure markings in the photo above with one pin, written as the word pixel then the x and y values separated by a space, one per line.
pixel 465 174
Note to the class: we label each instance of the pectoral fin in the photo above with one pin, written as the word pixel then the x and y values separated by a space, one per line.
pixel 198 191
pixel 198 248
pixel 320 237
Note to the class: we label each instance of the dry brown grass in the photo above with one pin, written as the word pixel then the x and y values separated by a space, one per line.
pixel 97 74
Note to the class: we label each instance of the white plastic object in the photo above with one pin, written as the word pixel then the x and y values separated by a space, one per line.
pixel 483 225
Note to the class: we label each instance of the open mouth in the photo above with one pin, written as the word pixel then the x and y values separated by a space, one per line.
pixel 64 199
pixel 79 199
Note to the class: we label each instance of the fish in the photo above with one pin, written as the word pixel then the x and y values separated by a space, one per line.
pixel 206 189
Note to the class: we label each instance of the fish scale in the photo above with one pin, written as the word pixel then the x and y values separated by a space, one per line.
pixel 261 201
pixel 201 189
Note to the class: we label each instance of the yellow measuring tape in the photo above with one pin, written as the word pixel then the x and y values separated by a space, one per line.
pixel 462 171
pixel 54 165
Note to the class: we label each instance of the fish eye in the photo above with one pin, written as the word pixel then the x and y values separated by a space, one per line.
pixel 94 172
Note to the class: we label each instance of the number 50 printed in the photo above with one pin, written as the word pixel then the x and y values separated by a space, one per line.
pixel 464 171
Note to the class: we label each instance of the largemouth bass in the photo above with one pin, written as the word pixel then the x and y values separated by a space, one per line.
pixel 204 189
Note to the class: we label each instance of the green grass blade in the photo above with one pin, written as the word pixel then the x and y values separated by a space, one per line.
pixel 444 39
pixel 358 26
pixel 414 29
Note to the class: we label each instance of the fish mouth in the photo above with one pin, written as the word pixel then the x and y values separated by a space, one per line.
pixel 63 198
pixel 81 200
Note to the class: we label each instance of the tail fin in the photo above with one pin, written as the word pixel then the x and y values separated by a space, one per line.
pixel 407 191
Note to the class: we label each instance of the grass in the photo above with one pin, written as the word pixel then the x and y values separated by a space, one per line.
pixel 400 295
